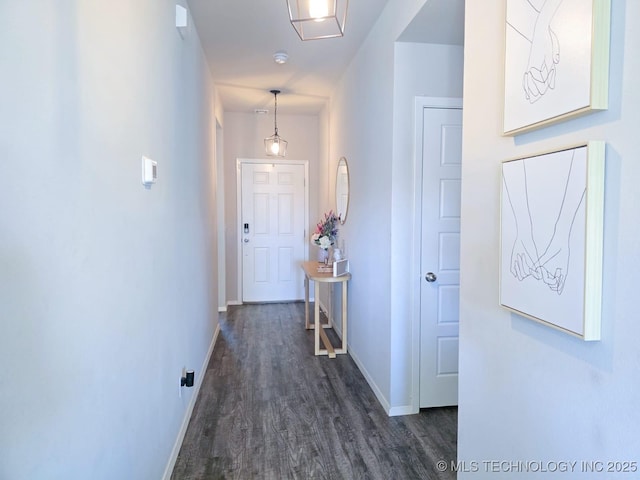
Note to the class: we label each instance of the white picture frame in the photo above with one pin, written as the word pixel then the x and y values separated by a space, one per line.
pixel 556 61
pixel 551 235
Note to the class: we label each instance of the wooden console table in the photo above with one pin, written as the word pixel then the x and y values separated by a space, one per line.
pixel 311 273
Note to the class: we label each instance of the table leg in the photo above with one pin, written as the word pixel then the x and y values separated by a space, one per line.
pixel 329 321
pixel 344 317
pixel 316 316
pixel 306 303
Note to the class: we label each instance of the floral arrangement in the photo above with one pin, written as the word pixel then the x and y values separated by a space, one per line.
pixel 326 231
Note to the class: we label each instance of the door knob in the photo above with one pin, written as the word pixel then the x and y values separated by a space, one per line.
pixel 246 240
pixel 430 277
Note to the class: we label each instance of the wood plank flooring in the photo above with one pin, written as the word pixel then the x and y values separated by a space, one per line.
pixel 269 409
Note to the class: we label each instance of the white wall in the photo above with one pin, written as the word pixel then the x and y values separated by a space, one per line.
pixel 528 392
pixel 244 135
pixel 326 202
pixel 107 290
pixel 372 124
pixel 360 129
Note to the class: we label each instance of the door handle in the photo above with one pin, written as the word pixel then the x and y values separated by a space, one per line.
pixel 430 277
pixel 246 240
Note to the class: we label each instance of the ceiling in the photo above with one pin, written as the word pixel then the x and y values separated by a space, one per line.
pixel 239 38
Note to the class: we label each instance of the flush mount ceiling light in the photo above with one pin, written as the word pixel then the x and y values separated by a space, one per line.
pixel 316 19
pixel 275 145
pixel 280 57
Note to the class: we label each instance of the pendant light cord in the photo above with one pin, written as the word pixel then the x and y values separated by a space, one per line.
pixel 275 113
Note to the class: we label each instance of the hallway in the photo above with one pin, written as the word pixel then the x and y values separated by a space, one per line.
pixel 269 409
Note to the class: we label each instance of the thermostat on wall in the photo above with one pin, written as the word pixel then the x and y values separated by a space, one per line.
pixel 149 171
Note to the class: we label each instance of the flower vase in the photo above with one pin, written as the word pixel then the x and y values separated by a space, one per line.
pixel 323 256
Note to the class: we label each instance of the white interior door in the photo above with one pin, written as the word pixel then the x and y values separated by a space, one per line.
pixel 440 256
pixel 272 231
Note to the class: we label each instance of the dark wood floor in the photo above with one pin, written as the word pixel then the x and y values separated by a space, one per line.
pixel 269 409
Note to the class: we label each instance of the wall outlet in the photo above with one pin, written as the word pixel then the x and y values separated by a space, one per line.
pixel 182 375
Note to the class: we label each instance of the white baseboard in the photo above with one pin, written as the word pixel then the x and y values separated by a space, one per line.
pixel 223 308
pixel 187 414
pixel 383 401
pixel 323 308
pixel 403 410
pixel 391 411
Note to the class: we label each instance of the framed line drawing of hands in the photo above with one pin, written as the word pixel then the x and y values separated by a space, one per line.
pixel 551 229
pixel 556 63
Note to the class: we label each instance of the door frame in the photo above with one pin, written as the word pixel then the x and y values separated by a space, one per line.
pixel 266 161
pixel 220 216
pixel 420 104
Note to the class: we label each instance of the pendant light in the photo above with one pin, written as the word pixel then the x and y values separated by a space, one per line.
pixel 316 19
pixel 275 145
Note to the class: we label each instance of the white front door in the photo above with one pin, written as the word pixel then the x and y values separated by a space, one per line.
pixel 440 256
pixel 272 226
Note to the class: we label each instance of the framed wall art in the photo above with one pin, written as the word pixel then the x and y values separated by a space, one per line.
pixel 551 229
pixel 556 63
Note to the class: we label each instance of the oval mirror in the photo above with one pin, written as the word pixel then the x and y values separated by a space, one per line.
pixel 342 190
